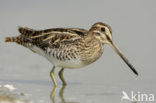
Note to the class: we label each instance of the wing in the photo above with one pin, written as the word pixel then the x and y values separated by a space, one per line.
pixel 52 37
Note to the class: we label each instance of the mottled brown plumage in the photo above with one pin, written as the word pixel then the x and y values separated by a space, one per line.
pixel 68 47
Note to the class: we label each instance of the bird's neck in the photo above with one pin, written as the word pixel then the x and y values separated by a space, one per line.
pixel 93 49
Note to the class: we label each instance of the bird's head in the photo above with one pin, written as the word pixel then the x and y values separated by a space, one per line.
pixel 103 33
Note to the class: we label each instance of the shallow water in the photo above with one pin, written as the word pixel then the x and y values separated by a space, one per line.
pixel 101 82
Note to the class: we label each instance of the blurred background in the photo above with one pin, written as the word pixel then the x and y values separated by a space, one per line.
pixel 133 24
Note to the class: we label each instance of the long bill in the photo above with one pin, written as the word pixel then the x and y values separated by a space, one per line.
pixel 123 57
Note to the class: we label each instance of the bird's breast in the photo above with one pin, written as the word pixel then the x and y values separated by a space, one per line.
pixel 91 53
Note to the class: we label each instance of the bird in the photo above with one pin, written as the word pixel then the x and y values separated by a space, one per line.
pixel 68 48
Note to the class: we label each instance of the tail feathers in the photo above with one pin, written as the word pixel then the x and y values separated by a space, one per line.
pixel 18 39
pixel 26 42
pixel 12 39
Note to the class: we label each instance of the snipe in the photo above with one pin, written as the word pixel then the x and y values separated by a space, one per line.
pixel 68 47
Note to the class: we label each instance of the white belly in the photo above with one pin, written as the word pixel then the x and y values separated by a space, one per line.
pixel 71 64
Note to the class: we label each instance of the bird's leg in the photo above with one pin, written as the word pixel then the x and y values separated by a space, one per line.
pixel 53 76
pixel 61 76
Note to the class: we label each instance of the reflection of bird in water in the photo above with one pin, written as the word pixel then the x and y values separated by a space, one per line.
pixel 52 95
pixel 68 47
pixel 61 95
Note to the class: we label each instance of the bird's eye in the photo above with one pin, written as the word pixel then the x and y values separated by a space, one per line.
pixel 103 29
